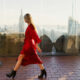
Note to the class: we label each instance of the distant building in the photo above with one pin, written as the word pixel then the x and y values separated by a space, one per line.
pixel 21 23
pixel 77 28
pixel 73 27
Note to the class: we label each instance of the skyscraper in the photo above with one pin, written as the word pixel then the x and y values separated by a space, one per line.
pixel 21 22
pixel 71 26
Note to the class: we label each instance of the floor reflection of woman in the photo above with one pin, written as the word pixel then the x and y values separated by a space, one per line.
pixel 28 54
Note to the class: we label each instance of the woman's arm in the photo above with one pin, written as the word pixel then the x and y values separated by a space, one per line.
pixel 38 48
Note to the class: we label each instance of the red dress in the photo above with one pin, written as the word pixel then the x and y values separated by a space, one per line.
pixel 29 48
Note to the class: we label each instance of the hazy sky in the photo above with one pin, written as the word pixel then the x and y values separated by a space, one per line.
pixel 53 12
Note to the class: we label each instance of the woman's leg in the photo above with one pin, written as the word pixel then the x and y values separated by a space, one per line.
pixel 13 73
pixel 18 62
pixel 41 66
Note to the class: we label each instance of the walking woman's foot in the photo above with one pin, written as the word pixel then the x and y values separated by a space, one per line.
pixel 11 74
pixel 43 73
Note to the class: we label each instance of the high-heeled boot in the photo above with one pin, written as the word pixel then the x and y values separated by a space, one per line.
pixel 43 73
pixel 11 74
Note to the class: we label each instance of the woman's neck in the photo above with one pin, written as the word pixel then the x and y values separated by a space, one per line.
pixel 29 23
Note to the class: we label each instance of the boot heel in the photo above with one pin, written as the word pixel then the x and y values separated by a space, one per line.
pixel 45 75
pixel 13 77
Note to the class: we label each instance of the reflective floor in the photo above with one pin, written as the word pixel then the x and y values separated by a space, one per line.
pixel 58 68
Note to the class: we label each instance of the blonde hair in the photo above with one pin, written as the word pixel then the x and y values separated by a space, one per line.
pixel 29 19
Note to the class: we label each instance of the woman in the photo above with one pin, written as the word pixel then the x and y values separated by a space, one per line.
pixel 28 54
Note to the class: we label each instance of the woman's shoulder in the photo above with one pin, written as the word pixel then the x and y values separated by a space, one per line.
pixel 32 26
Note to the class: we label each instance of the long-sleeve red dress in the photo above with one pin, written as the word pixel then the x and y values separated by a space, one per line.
pixel 29 47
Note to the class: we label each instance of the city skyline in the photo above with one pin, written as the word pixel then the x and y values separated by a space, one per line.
pixel 44 12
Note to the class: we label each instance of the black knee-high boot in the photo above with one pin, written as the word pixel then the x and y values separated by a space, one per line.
pixel 11 74
pixel 43 73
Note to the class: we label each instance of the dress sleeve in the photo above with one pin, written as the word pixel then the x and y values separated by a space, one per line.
pixel 35 36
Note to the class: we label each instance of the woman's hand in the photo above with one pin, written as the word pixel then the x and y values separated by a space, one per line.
pixel 39 50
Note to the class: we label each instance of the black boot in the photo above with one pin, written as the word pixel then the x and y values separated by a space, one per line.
pixel 43 73
pixel 12 74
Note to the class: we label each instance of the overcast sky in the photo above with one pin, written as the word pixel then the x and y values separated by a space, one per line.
pixel 52 12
